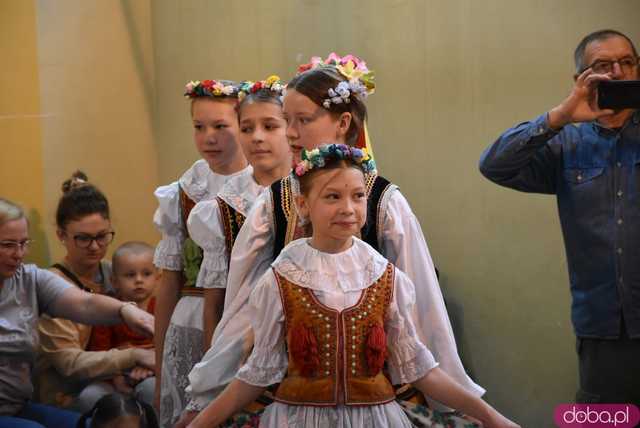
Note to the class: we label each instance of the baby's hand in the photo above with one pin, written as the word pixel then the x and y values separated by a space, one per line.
pixel 138 373
pixel 121 385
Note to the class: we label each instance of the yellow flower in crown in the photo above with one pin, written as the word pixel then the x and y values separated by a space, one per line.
pixel 271 80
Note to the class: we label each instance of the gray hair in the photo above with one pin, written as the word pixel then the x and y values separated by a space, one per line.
pixel 596 36
pixel 9 211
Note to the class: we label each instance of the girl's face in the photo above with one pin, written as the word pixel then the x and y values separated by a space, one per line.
pixel 215 131
pixel 11 255
pixel 310 125
pixel 262 136
pixel 86 239
pixel 336 205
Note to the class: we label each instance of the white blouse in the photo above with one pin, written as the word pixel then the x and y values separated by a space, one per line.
pixel 200 183
pixel 337 280
pixel 207 230
pixel 401 242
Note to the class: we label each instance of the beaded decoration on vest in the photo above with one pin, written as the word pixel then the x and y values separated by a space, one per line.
pixel 336 357
pixel 232 221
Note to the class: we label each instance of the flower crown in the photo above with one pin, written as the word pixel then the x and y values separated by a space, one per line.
pixel 320 156
pixel 210 88
pixel 273 83
pixel 360 80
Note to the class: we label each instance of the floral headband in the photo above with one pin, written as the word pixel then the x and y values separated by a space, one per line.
pixel 210 88
pixel 272 83
pixel 360 80
pixel 318 158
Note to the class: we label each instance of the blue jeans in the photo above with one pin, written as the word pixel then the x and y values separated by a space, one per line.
pixel 35 415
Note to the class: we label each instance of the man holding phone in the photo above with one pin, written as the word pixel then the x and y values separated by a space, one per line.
pixel 593 168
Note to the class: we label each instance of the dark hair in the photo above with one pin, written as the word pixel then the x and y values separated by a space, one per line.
pixel 315 85
pixel 128 248
pixel 330 164
pixel 80 199
pixel 578 54
pixel 112 406
pixel 264 95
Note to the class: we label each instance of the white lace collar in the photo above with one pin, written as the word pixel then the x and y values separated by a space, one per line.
pixel 351 270
pixel 241 191
pixel 199 182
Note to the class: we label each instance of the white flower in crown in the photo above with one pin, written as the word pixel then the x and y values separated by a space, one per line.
pixel 227 90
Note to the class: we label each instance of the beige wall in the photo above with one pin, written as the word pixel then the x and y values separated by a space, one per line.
pixel 100 89
pixel 21 172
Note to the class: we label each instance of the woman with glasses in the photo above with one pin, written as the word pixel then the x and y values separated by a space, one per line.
pixel 70 376
pixel 27 292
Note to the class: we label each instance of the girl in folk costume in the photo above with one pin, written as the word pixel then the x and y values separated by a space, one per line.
pixel 325 103
pixel 330 313
pixel 179 306
pixel 214 224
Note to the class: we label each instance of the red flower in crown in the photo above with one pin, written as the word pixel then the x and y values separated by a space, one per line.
pixel 208 84
pixel 256 87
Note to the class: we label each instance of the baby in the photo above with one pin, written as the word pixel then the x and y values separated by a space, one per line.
pixel 134 280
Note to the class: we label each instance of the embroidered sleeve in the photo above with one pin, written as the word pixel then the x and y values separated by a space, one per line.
pixel 167 220
pixel 267 363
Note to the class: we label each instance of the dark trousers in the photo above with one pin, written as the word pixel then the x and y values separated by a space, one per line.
pixel 609 370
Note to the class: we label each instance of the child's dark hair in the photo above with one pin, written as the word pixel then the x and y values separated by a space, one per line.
pixel 315 85
pixel 80 199
pixel 112 406
pixel 264 95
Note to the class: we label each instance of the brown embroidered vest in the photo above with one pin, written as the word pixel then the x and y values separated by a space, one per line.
pixel 336 357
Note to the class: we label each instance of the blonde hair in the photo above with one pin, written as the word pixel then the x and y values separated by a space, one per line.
pixel 9 211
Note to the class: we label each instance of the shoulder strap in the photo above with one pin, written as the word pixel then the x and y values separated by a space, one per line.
pixel 72 276
pixel 232 221
pixel 280 217
pixel 186 205
pixel 376 186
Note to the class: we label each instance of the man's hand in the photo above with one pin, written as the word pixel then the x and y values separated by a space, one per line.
pixel 582 103
pixel 137 320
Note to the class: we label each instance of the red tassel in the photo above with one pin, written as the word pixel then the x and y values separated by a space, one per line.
pixel 304 349
pixel 376 351
pixel 361 142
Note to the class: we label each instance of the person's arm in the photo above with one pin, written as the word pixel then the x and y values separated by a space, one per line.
pixel 438 385
pixel 235 397
pixel 267 363
pixel 404 245
pixel 212 312
pixel 526 157
pixel 233 339
pixel 206 229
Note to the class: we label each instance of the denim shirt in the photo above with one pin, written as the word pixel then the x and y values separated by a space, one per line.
pixel 595 174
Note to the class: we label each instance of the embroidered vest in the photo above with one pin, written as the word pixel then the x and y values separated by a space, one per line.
pixel 286 219
pixel 336 357
pixel 232 221
pixel 191 252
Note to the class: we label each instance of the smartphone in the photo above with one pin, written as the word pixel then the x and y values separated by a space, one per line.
pixel 619 94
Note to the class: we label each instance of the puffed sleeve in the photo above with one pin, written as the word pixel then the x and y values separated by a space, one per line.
pixel 206 230
pixel 403 243
pixel 233 338
pixel 167 220
pixel 268 361
pixel 409 359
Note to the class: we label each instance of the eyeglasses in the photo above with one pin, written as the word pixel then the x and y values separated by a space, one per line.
pixel 10 247
pixel 605 66
pixel 83 240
